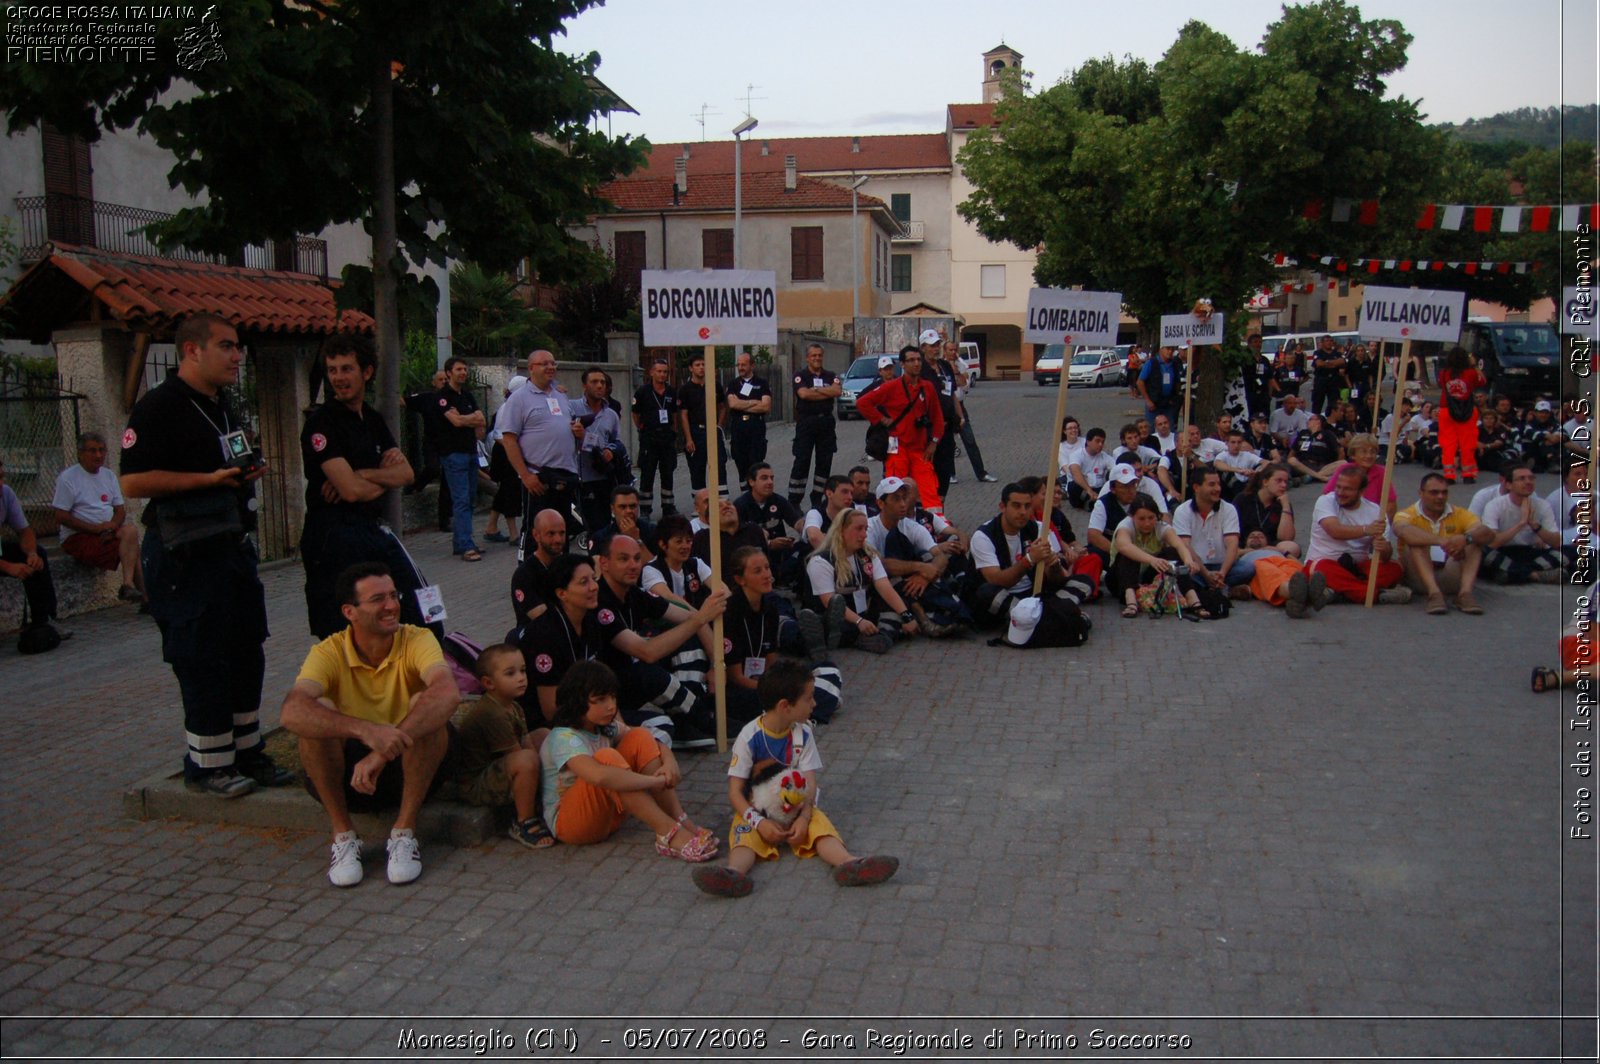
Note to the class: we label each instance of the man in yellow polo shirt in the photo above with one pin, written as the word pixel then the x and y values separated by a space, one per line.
pixel 378 696
pixel 1441 546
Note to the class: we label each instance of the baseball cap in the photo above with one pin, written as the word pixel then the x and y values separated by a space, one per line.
pixel 885 360
pixel 929 336
pixel 888 486
pixel 1123 473
pixel 1543 405
pixel 517 381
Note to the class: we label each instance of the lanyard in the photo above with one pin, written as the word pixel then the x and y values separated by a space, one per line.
pixel 226 427
pixel 761 631
pixel 567 630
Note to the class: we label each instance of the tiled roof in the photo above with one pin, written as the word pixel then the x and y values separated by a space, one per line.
pixel 909 151
pixel 971 115
pixel 152 293
pixel 714 192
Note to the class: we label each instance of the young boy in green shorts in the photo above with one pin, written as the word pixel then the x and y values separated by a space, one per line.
pixel 782 736
pixel 499 757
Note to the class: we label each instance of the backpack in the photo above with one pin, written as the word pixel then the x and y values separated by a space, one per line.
pixel 1159 596
pixel 36 638
pixel 1051 621
pixel 461 654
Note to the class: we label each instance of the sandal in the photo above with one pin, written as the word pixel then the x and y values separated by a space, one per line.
pixel 471 556
pixel 1545 679
pixel 1130 610
pixel 702 847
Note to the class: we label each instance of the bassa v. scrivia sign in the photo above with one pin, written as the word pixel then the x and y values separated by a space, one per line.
pixel 1411 314
pixel 1179 330
pixel 687 308
pixel 1065 316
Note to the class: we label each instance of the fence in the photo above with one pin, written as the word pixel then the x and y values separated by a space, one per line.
pixel 39 426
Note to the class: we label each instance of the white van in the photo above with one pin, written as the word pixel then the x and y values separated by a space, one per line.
pixel 971 363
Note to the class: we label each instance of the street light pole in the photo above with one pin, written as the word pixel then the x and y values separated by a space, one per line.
pixel 855 254
pixel 738 184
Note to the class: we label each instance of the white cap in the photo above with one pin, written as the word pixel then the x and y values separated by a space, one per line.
pixel 517 381
pixel 1123 473
pixel 885 360
pixel 929 336
pixel 1543 405
pixel 888 486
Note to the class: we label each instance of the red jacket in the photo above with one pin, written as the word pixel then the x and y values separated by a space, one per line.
pixel 888 399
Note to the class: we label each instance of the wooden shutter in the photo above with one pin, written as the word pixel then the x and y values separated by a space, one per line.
pixel 716 249
pixel 805 253
pixel 68 188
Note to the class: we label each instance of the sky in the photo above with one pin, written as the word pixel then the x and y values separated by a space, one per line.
pixel 826 67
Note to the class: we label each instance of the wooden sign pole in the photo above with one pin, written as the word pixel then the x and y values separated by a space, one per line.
pixel 1188 391
pixel 1054 472
pixel 1377 393
pixel 719 664
pixel 1388 469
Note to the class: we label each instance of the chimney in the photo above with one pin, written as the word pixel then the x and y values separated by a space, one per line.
pixel 855 145
pixel 680 179
pixel 788 173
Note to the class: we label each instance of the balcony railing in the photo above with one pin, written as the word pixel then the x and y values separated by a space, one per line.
pixel 910 233
pixel 113 227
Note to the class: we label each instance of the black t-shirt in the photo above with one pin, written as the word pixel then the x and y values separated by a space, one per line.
pixel 1316 449
pixel 176 429
pixel 944 382
pixel 637 611
pixel 770 516
pixel 692 397
pixel 530 586
pixel 747 536
pixel 426 406
pixel 453 440
pixel 1256 516
pixel 600 539
pixel 333 430
pixel 749 633
pixel 551 645
pixel 823 378
pixel 1264 444
pixel 1321 364
pixel 657 413
pixel 755 389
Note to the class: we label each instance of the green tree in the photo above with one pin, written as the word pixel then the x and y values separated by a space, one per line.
pixel 451 130
pixel 1177 181
pixel 488 320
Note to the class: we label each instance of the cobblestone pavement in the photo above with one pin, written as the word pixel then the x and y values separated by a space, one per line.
pixel 1335 837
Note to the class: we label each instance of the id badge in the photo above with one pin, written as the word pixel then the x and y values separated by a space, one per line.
pixel 554 404
pixel 1436 552
pixel 430 600
pixel 754 668
pixel 816 382
pixel 745 389
pixel 894 444
pixel 661 416
pixel 1355 393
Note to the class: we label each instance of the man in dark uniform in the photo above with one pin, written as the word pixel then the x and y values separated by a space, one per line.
pixel 943 376
pixel 458 455
pixel 1327 366
pixel 351 459
pixel 693 415
pixel 425 404
pixel 1257 375
pixel 775 516
pixel 655 415
pixel 815 389
pixel 181 452
pixel 749 403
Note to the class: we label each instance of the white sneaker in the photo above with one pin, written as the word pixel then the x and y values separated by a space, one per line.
pixel 344 869
pixel 405 857
pixel 1394 596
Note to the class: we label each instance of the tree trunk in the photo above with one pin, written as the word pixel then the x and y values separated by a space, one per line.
pixel 385 246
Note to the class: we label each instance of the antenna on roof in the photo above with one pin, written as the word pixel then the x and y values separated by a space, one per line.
pixel 750 97
pixel 705 109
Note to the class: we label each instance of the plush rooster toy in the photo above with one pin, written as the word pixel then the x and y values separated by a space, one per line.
pixel 776 792
pixel 1202 308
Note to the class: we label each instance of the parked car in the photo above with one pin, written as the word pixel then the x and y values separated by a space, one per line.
pixel 858 378
pixel 1520 359
pixel 1098 367
pixel 1047 366
pixel 971 363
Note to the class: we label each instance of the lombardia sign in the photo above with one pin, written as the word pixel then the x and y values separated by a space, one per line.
pixel 689 308
pixel 1411 314
pixel 1063 316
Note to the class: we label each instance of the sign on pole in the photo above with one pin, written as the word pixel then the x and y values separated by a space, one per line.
pixel 696 308
pixel 1063 316
pixel 1412 314
pixel 1185 328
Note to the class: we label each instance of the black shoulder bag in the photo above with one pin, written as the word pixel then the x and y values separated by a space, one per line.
pixel 877 446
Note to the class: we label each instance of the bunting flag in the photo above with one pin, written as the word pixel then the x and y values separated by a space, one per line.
pixel 1514 218
pixel 1336 264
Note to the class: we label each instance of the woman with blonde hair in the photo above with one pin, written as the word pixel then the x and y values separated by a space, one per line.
pixel 1363 453
pixel 847 578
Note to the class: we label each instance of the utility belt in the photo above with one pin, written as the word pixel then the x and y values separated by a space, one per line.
pixel 556 479
pixel 824 415
pixel 742 419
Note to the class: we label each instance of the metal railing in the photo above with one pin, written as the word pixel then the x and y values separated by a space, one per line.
pixel 910 233
pixel 58 216
pixel 39 426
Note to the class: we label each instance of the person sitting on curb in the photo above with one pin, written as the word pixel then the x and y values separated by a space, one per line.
pixel 1527 541
pixel 499 757
pixel 782 740
pixel 1347 540
pixel 848 580
pixel 1443 547
pixel 25 560
pixel 95 530
pixel 377 696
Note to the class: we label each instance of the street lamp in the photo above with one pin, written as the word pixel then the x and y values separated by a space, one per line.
pixel 855 253
pixel 738 185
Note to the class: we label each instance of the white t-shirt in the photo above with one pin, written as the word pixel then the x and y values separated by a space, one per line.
pixel 1142 456
pixel 1506 511
pixel 1205 534
pixel 984 556
pixel 1324 545
pixel 650 579
pixel 1285 424
pixel 1562 505
pixel 819 570
pixel 800 746
pixel 1210 449
pixel 1069 454
pixel 1482 498
pixel 1247 460
pixel 88 497
pixel 921 539
pixel 1147 486
pixel 1096 468
pixel 1168 442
